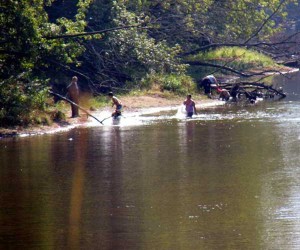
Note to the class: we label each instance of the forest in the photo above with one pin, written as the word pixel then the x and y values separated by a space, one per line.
pixel 123 45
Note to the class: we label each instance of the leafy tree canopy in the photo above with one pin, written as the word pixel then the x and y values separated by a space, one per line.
pixel 47 39
pixel 25 27
pixel 27 56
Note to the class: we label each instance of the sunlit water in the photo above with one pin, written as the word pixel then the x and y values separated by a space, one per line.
pixel 229 178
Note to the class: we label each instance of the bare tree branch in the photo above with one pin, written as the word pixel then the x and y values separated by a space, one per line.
pixel 94 32
pixel 216 45
pixel 264 23
pixel 199 63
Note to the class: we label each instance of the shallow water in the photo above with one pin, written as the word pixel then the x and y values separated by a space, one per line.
pixel 226 179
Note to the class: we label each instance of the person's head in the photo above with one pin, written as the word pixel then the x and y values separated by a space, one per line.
pixel 110 94
pixel 189 96
pixel 74 79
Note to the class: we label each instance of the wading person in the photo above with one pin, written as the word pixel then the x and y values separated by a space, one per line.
pixel 209 82
pixel 234 92
pixel 190 106
pixel 224 94
pixel 116 102
pixel 73 95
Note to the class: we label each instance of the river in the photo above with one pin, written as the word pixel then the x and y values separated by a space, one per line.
pixel 228 179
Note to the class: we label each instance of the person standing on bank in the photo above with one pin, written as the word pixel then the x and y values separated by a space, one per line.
pixel 190 106
pixel 116 102
pixel 73 94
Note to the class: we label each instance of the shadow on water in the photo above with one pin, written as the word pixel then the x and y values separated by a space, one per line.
pixel 227 179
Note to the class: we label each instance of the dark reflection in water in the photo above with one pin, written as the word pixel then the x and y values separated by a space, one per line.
pixel 229 180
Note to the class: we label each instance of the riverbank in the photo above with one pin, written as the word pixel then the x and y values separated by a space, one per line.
pixel 132 104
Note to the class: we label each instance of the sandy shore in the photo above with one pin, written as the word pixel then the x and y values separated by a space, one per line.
pixel 131 104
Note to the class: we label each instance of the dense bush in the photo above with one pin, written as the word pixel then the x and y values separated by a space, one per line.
pixel 179 84
pixel 20 102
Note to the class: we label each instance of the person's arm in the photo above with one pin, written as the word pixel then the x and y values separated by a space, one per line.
pixel 194 104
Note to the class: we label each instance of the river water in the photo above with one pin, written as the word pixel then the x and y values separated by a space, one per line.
pixel 227 179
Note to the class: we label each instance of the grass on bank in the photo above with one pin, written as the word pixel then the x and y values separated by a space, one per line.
pixel 36 108
pixel 238 58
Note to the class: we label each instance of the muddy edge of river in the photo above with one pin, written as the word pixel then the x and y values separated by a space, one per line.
pixel 132 104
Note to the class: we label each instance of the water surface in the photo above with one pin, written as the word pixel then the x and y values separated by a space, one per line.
pixel 227 179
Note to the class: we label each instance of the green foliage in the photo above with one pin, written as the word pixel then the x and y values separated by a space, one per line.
pixel 59 116
pixel 240 19
pixel 189 23
pixel 146 53
pixel 236 57
pixel 26 50
pixel 97 102
pixel 101 100
pixel 168 28
pixel 25 43
pixel 18 102
pixel 179 84
pixel 150 51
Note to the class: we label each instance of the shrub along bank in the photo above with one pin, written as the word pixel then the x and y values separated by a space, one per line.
pixel 28 103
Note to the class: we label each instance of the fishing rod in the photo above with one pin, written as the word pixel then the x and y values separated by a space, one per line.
pixel 73 103
pixel 113 117
pixel 105 119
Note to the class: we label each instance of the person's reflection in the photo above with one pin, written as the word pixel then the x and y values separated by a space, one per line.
pixel 190 131
pixel 187 137
pixel 77 191
pixel 116 192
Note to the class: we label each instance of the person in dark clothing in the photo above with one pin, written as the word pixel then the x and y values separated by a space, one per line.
pixel 234 92
pixel 73 94
pixel 208 82
pixel 251 96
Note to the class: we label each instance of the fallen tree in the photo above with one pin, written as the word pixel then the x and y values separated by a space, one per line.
pixel 252 90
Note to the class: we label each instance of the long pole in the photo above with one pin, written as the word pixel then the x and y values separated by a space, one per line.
pixel 73 103
pixel 105 119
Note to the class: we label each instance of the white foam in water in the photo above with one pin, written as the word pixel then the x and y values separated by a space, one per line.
pixel 181 112
pixel 142 116
pixel 127 119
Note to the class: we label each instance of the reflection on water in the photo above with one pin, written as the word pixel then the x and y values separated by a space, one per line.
pixel 227 179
